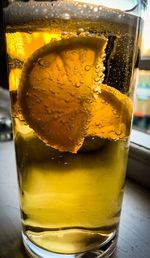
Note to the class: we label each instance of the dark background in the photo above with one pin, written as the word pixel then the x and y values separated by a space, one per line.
pixel 3 65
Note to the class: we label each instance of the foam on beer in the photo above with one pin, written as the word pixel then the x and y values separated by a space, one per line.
pixel 19 12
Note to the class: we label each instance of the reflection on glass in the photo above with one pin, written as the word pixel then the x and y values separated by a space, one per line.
pixel 141 119
pixel 142 104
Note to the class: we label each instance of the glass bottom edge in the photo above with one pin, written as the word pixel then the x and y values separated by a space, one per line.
pixel 104 251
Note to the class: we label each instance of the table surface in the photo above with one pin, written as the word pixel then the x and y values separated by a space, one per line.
pixel 134 233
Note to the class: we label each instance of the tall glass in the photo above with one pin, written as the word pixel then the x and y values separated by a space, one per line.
pixel 71 75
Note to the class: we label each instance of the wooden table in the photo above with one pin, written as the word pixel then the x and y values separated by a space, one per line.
pixel 134 235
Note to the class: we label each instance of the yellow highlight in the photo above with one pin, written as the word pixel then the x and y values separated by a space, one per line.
pixel 14 79
pixel 21 45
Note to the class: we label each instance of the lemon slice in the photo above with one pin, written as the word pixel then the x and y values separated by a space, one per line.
pixel 58 84
pixel 111 114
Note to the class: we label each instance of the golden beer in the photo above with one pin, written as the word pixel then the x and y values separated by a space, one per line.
pixel 69 86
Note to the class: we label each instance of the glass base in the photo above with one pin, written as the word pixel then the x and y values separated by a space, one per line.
pixel 103 252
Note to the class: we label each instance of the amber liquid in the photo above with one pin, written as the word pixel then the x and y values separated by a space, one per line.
pixel 70 202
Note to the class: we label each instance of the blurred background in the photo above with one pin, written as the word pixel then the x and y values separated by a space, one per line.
pixel 5 117
pixel 141 119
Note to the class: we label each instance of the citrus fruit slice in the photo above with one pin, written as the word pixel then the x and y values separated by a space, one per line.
pixel 58 84
pixel 111 114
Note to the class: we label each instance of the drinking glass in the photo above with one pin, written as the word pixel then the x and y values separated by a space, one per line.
pixel 72 70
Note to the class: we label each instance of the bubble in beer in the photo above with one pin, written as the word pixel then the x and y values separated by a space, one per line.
pixel 66 16
pixel 87 68
pixel 95 9
pixel 77 85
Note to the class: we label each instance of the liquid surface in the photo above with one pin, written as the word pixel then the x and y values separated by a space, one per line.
pixel 71 174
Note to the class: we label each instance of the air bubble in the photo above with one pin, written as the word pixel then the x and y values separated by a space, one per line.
pixel 114 112
pixel 55 116
pixel 66 16
pixel 80 30
pixel 67 100
pixel 95 9
pixel 72 94
pixel 43 63
pixel 87 68
pixel 45 10
pixel 51 91
pixel 66 163
pixel 77 85
pixel 118 132
pixel 97 79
